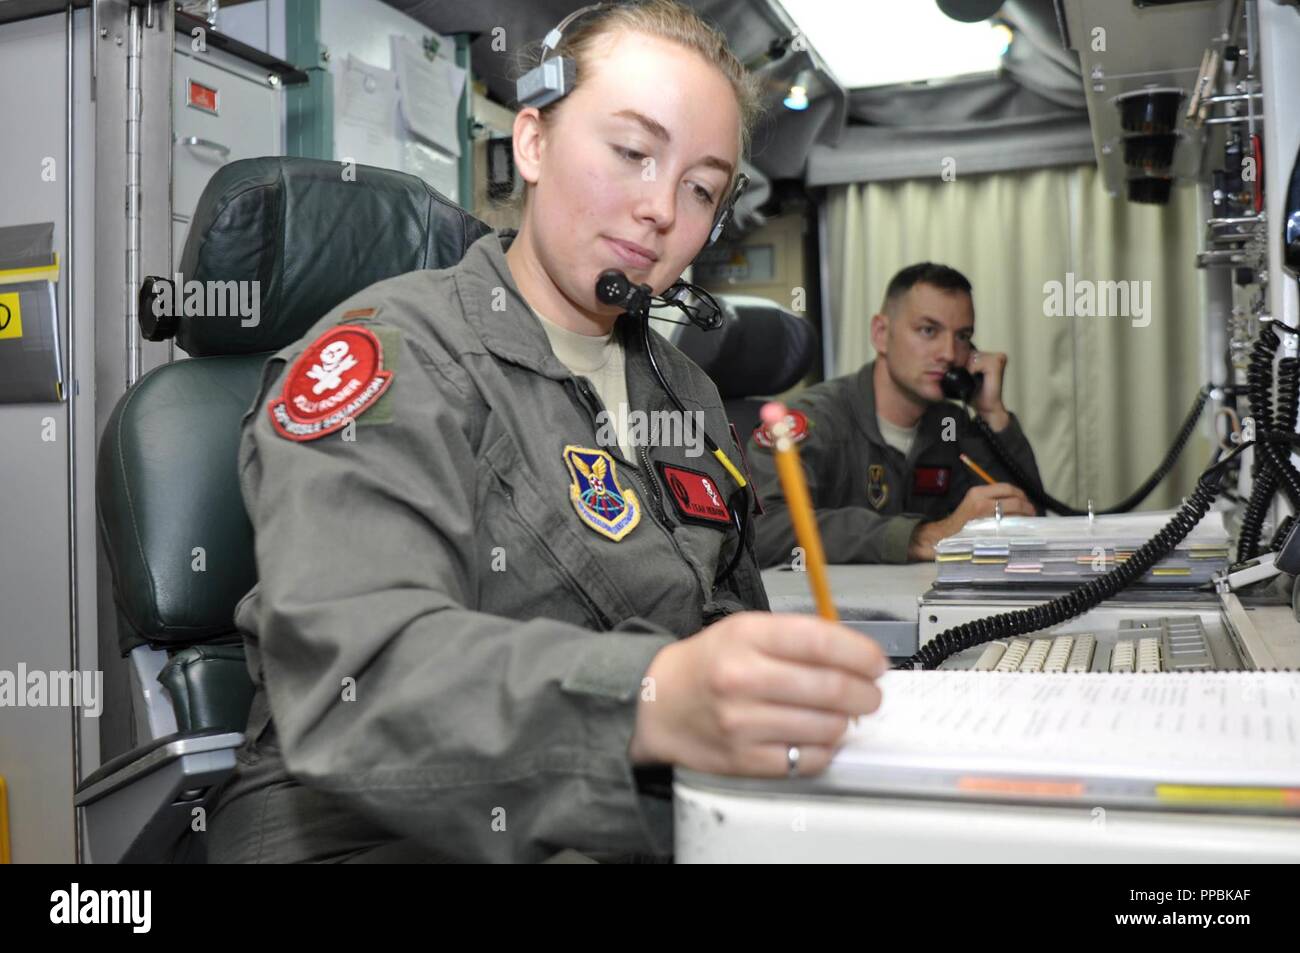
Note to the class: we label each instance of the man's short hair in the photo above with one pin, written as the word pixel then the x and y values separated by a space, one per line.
pixel 924 273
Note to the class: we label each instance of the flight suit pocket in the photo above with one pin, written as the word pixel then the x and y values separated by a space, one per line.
pixel 532 546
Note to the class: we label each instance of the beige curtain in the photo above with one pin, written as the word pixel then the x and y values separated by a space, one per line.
pixel 1099 397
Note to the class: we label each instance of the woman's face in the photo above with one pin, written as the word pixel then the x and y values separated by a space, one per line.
pixel 630 169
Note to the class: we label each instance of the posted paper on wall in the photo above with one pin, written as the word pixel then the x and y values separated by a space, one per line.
pixel 366 126
pixel 430 92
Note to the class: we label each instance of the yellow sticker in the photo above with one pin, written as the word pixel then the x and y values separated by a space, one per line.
pixel 11 316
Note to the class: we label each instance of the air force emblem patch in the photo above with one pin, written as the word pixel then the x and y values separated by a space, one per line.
pixel 609 509
pixel 877 488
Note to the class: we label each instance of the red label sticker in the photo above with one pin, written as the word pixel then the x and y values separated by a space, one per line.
pixel 203 97
pixel 931 481
pixel 798 430
pixel 338 377
pixel 695 494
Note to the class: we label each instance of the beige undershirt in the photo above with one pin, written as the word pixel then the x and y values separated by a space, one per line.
pixel 599 358
pixel 900 438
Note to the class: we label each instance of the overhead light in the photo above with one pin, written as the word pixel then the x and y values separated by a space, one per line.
pixel 872 43
pixel 1007 35
pixel 797 98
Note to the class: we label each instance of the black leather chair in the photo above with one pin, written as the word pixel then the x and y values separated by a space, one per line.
pixel 760 350
pixel 170 513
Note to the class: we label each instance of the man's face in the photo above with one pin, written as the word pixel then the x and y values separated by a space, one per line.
pixel 633 166
pixel 929 333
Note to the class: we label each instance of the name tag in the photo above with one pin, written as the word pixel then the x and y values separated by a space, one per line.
pixel 931 481
pixel 696 496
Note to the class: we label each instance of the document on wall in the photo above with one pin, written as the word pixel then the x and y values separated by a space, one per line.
pixel 366 125
pixel 1225 738
pixel 430 91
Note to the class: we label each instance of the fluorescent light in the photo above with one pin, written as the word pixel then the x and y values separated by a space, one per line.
pixel 878 43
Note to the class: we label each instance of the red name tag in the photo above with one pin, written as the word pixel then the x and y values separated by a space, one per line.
pixel 696 496
pixel 931 481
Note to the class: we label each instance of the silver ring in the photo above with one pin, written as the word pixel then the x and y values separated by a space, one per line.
pixel 792 761
pixel 997 510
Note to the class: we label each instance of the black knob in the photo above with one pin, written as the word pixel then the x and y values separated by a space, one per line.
pixel 157 309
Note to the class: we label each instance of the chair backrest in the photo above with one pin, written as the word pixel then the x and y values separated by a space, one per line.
pixel 170 513
pixel 760 351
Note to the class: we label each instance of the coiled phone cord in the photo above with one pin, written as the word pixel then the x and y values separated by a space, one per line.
pixel 1092 593
pixel 1270 463
pixel 1134 499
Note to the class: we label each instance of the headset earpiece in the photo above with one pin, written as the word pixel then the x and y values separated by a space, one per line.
pixel 551 79
pixel 727 208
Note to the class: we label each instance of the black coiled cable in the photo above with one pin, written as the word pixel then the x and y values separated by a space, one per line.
pixel 1134 499
pixel 1266 475
pixel 1092 593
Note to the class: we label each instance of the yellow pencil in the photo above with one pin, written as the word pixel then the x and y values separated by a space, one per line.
pixel 795 488
pixel 979 470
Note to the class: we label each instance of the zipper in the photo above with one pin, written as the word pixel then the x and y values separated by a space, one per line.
pixel 657 496
pixel 584 388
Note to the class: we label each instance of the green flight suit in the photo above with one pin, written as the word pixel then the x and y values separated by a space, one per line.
pixel 448 656
pixel 868 497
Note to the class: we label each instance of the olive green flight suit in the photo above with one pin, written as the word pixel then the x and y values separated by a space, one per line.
pixel 448 657
pixel 868 497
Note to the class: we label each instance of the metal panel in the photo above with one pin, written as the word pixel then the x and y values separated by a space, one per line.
pixel 35 625
pixel 1141 47
pixel 246 125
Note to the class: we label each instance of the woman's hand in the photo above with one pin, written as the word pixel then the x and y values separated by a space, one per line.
pixel 732 698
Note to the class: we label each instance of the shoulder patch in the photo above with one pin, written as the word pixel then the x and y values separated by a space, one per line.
pixel 798 422
pixel 339 376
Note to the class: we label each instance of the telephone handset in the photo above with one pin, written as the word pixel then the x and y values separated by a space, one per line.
pixel 960 384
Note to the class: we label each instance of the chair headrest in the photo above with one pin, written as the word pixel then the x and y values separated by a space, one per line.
pixel 311 232
pixel 761 348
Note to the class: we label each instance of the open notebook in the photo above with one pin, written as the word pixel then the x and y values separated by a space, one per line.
pixel 1214 740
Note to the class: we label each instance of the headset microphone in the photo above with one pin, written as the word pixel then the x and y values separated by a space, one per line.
pixel 614 287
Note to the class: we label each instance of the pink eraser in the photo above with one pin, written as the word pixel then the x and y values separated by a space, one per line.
pixel 773 412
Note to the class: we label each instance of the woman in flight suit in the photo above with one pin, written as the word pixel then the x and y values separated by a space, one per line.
pixel 484 627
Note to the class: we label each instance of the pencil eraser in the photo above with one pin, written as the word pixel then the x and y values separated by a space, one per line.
pixel 773 412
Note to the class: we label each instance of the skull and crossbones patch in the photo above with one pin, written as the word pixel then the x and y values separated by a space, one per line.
pixel 335 379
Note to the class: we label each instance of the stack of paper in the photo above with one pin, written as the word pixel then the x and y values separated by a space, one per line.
pixel 1067 551
pixel 1228 739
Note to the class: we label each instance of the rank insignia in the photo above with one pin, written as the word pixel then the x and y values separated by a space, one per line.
pixel 602 504
pixel 339 375
pixel 798 423
pixel 877 488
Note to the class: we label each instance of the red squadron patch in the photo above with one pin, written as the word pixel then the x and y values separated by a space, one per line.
pixel 798 430
pixel 338 377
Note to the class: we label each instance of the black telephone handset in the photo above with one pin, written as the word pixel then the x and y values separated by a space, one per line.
pixel 1291 224
pixel 960 384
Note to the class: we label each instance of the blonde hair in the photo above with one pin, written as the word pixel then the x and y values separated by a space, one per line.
pixel 667 20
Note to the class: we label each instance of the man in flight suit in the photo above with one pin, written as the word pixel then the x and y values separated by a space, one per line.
pixel 881 447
